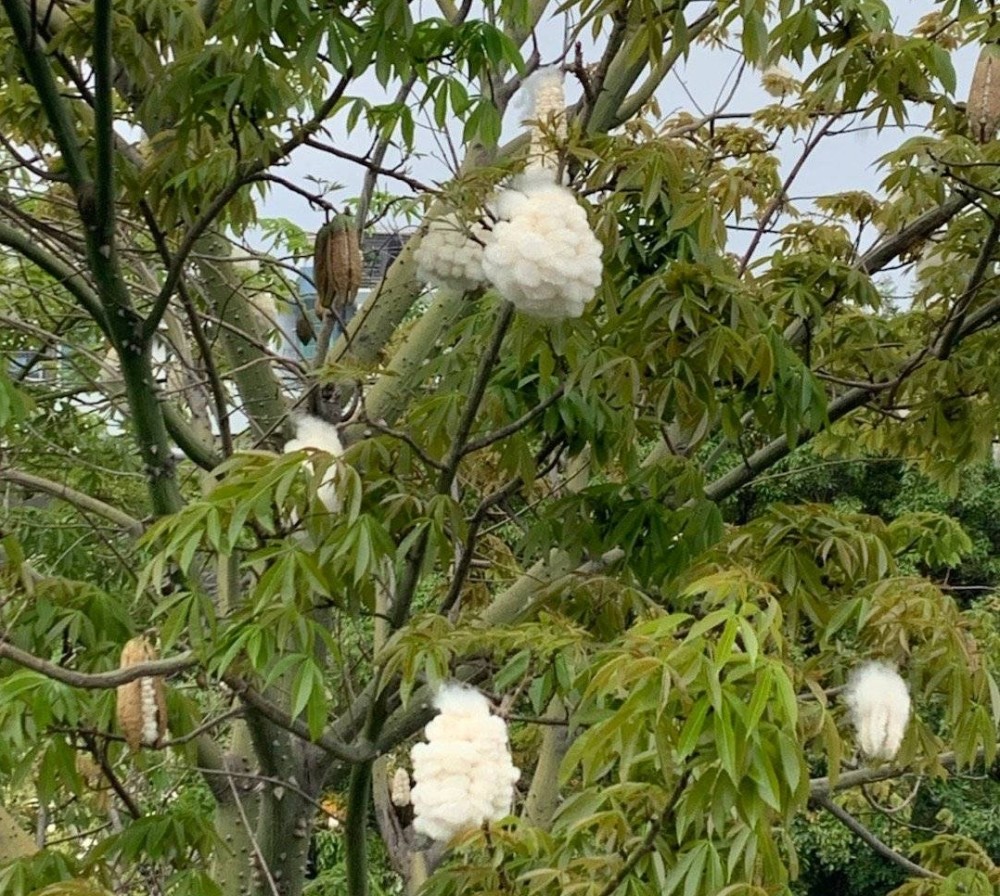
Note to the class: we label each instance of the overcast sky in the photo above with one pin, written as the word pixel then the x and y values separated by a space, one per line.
pixel 842 162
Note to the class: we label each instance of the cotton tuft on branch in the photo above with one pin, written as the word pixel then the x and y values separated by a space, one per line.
pixel 312 432
pixel 399 790
pixel 464 774
pixel 542 255
pixel 880 708
pixel 451 254
pixel 545 99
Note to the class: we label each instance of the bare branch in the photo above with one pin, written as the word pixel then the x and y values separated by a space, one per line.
pixel 326 741
pixel 34 483
pixel 96 681
pixel 883 849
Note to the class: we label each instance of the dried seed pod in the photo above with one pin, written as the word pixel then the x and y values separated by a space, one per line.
pixel 141 704
pixel 337 265
pixel 983 108
pixel 304 330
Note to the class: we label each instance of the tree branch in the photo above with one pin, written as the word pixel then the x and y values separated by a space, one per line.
pixel 504 431
pixel 76 285
pixel 205 349
pixel 632 104
pixel 840 407
pixel 775 204
pixel 34 483
pixel 962 303
pixel 219 202
pixel 96 681
pixel 44 82
pixel 373 168
pixel 869 775
pixel 648 843
pixel 883 849
pixel 361 752
pixel 479 383
pixel 104 144
pixel 188 440
pixel 889 248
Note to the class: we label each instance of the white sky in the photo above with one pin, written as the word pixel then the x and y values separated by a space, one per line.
pixel 842 162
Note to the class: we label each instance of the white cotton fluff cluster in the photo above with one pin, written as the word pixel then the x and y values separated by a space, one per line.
pixel 451 254
pixel 880 708
pixel 464 774
pixel 399 790
pixel 545 100
pixel 312 432
pixel 542 255
pixel 150 712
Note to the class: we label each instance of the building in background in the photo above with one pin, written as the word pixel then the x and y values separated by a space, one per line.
pixel 379 250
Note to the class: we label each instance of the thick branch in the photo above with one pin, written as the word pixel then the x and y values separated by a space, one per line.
pixel 326 741
pixel 632 104
pixel 250 361
pixel 869 775
pixel 104 142
pixel 78 499
pixel 55 107
pixel 188 440
pixel 891 247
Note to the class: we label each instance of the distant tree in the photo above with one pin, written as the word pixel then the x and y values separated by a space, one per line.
pixel 531 504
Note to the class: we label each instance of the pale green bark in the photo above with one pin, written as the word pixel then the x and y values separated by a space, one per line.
pixel 392 392
pixel 543 796
pixel 251 367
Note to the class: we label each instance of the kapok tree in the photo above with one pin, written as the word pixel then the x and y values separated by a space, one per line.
pixel 516 480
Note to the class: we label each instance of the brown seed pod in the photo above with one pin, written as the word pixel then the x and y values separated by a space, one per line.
pixel 304 330
pixel 141 704
pixel 337 265
pixel 983 108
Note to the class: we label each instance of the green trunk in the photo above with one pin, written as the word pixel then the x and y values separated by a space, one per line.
pixel 250 363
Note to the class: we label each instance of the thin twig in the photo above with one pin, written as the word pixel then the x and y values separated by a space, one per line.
pixel 503 432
